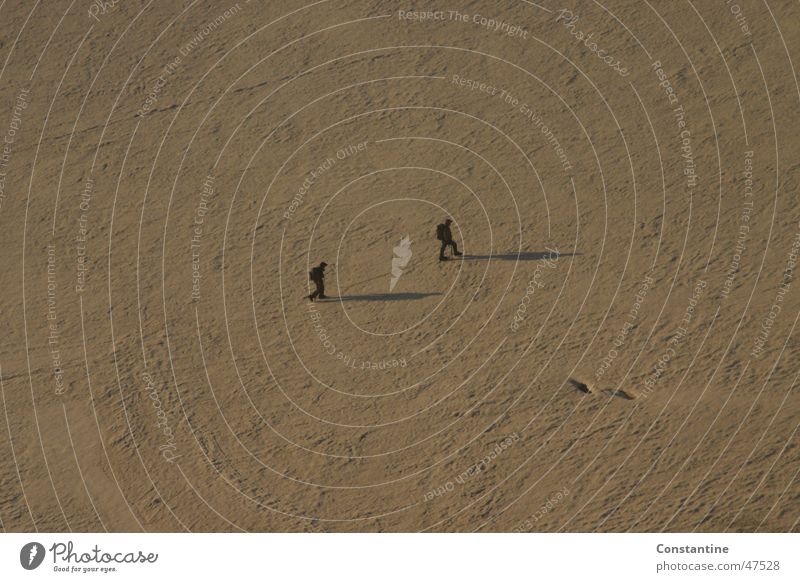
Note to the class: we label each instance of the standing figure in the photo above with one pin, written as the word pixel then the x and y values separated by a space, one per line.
pixel 317 275
pixel 444 234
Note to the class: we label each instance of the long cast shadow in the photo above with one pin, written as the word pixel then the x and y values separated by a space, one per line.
pixel 518 256
pixel 384 297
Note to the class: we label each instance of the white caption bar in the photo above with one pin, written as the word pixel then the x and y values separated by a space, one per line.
pixel 390 557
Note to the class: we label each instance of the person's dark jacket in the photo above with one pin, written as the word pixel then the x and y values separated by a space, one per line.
pixel 318 274
pixel 443 233
pixel 448 234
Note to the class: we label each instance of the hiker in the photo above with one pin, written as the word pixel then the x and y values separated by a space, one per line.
pixel 317 274
pixel 444 234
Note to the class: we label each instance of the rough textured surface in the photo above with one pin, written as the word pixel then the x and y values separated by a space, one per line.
pixel 615 351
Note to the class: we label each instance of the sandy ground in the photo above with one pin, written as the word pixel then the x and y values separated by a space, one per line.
pixel 615 351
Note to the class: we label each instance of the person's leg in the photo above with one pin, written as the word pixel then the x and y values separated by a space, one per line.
pixel 321 290
pixel 441 251
pixel 455 248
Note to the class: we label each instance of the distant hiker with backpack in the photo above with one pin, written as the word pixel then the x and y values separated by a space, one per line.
pixel 444 234
pixel 317 275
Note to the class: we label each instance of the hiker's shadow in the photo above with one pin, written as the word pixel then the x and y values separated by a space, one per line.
pixel 385 297
pixel 527 256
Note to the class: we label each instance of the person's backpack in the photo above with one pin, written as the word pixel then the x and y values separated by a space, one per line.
pixel 311 275
pixel 440 230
